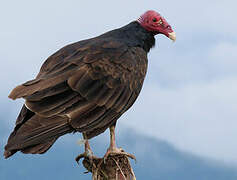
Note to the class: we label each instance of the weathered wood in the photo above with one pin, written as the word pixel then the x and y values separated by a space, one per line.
pixel 116 167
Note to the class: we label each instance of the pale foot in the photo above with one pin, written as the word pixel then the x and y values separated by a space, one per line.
pixel 117 151
pixel 87 154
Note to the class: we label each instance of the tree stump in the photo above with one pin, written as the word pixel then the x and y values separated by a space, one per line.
pixel 116 167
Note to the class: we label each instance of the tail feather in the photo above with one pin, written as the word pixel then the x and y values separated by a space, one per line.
pixel 40 148
pixel 37 135
pixel 7 153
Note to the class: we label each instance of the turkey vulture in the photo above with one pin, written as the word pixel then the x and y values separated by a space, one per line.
pixel 85 86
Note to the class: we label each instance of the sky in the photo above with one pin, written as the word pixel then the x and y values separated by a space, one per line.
pixel 189 95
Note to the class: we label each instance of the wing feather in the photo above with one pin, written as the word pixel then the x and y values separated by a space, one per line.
pixel 93 86
pixel 51 102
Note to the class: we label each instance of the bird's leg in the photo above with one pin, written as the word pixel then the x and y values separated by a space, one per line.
pixel 113 149
pixel 113 146
pixel 88 152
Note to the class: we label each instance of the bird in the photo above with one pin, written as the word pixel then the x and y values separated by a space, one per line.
pixel 85 87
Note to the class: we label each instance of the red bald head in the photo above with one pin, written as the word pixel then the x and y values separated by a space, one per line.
pixel 155 23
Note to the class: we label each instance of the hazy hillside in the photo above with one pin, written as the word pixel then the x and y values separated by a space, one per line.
pixel 157 160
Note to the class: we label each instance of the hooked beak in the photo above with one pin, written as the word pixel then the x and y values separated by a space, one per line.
pixel 172 36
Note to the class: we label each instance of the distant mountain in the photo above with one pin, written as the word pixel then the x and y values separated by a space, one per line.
pixel 156 159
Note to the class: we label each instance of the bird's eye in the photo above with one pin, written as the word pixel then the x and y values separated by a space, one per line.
pixel 154 19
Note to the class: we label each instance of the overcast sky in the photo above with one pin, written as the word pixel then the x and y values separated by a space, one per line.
pixel 189 96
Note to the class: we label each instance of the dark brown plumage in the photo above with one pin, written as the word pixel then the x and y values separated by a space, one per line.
pixel 84 87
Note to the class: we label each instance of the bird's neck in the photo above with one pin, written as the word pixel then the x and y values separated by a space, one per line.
pixel 134 35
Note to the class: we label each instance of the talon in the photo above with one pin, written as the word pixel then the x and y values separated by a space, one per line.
pixel 118 151
pixel 132 157
pixel 77 159
pixel 88 154
pixel 84 155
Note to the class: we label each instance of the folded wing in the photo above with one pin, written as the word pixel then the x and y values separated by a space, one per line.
pixel 83 87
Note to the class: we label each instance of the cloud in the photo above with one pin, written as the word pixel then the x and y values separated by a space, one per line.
pixel 224 57
pixel 189 98
pixel 200 118
pixel 182 63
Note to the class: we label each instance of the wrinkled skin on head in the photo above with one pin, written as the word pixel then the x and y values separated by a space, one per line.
pixel 155 23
